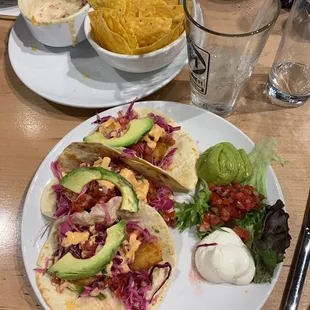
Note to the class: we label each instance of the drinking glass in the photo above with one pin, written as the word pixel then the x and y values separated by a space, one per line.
pixel 289 78
pixel 224 41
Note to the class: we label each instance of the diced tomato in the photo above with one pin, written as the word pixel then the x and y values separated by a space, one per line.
pixel 205 226
pixel 84 202
pixel 225 215
pixel 243 234
pixel 230 202
pixel 87 246
pixel 93 195
pixel 214 220
pixel 169 218
pixel 170 214
pixel 56 281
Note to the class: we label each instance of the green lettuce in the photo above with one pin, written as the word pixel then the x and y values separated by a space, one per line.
pixel 252 222
pixel 263 154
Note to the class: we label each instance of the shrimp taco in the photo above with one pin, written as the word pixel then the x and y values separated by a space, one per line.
pixel 126 261
pixel 152 139
pixel 59 200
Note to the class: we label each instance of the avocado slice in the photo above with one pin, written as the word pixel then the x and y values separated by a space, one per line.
pixel 76 179
pixel 136 129
pixel 71 268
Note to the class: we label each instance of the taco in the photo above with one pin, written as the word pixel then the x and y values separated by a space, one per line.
pixel 123 262
pixel 150 138
pixel 151 187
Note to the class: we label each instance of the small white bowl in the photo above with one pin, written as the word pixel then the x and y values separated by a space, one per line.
pixel 63 32
pixel 137 63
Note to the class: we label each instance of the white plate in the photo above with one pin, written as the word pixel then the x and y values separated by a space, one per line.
pixel 185 292
pixel 77 76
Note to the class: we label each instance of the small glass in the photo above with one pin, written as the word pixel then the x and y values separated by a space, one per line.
pixel 289 78
pixel 224 40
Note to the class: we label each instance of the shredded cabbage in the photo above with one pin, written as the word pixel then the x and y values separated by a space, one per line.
pixel 144 235
pixel 132 287
pixel 55 169
pixel 101 120
pixel 163 201
pixel 129 153
pixel 166 161
pixel 130 113
pixel 161 122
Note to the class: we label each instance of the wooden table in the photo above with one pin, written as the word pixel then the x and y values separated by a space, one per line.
pixel 30 126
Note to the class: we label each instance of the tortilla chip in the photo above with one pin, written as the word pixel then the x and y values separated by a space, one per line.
pixel 133 6
pixel 175 12
pixel 148 30
pixel 164 41
pixel 119 5
pixel 117 23
pixel 105 37
pixel 132 38
pixel 172 2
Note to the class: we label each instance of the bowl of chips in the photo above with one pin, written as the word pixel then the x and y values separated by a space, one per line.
pixel 136 35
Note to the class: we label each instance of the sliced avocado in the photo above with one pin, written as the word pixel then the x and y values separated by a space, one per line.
pixel 78 178
pixel 241 169
pixel 136 129
pixel 71 268
pixel 248 168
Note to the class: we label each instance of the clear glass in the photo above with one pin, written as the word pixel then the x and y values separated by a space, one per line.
pixel 289 78
pixel 224 40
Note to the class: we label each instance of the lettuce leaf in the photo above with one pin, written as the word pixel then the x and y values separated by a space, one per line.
pixel 269 238
pixel 252 222
pixel 263 154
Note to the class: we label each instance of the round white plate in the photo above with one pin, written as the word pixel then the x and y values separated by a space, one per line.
pixel 77 77
pixel 186 292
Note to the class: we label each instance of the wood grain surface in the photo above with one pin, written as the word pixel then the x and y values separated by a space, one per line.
pixel 30 126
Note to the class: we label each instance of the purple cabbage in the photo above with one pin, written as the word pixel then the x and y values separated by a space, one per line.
pixel 161 122
pixel 56 170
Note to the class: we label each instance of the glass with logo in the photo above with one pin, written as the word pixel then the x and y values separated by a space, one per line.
pixel 224 41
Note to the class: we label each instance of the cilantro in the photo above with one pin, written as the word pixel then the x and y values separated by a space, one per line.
pixel 191 214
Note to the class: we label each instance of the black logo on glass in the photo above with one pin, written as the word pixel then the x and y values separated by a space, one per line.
pixel 199 63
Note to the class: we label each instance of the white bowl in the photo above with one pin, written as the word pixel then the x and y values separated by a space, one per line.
pixel 62 32
pixel 137 63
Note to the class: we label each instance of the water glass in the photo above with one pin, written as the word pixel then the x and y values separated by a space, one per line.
pixel 224 40
pixel 289 78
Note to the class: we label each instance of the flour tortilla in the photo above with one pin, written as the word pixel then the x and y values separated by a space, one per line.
pixel 84 152
pixel 182 168
pixel 87 152
pixel 48 199
pixel 68 300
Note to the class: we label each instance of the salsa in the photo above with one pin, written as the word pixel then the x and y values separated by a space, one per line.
pixel 230 202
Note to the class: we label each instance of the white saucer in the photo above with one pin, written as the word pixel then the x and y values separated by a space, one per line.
pixel 77 76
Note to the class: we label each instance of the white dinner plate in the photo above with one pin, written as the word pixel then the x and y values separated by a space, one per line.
pixel 186 291
pixel 77 76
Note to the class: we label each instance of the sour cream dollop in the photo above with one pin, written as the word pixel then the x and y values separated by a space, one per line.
pixel 229 261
